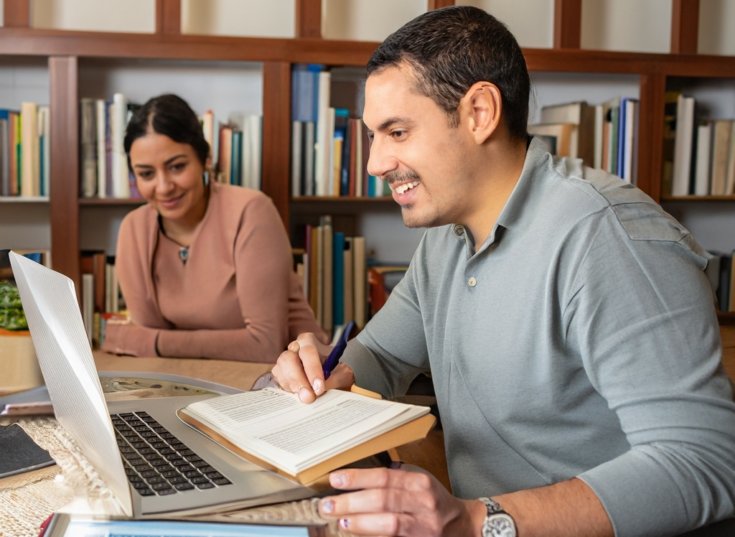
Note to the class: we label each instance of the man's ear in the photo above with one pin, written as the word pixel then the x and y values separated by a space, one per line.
pixel 482 106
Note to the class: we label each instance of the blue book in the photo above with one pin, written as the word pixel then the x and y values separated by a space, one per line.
pixel 305 92
pixel 620 165
pixel 236 159
pixel 338 274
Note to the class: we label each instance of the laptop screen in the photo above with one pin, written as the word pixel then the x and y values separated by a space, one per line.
pixel 50 304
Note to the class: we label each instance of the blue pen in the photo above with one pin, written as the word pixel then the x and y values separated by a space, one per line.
pixel 334 356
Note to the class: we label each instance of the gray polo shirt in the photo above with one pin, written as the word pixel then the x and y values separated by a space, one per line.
pixel 579 340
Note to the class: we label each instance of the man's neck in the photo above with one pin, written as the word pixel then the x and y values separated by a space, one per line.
pixel 506 163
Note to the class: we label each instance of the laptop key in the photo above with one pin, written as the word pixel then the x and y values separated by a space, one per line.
pixel 191 473
pixel 165 492
pixel 213 475
pixel 206 485
pixel 202 465
pixel 159 462
pixel 154 480
pixel 140 485
pixel 148 473
pixel 184 486
pixel 161 486
pixel 221 481
pixel 198 480
pixel 177 479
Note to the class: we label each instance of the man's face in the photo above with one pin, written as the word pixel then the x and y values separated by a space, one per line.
pixel 427 163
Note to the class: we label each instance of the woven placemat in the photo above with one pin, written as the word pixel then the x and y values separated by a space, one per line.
pixel 26 500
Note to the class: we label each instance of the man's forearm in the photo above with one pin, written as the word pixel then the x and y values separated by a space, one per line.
pixel 569 508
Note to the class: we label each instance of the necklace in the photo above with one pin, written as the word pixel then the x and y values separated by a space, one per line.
pixel 184 254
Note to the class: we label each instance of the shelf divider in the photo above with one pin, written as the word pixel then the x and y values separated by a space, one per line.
pixel 64 180
pixel 651 134
pixel 684 26
pixel 168 17
pixel 567 24
pixel 17 13
pixel 309 19
pixel 277 134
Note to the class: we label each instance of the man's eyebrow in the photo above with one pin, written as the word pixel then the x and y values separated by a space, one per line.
pixel 388 123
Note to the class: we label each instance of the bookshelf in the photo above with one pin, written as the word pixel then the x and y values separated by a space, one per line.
pixel 68 54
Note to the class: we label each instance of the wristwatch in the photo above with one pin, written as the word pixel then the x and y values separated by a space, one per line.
pixel 498 523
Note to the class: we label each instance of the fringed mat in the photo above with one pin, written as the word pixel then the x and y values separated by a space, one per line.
pixel 26 500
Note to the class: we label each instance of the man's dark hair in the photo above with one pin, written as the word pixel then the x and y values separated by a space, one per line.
pixel 452 48
pixel 171 116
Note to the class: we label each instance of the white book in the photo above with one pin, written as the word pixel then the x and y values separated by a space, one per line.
pixel 683 145
pixel 702 162
pixel 730 178
pixel 101 148
pixel 297 143
pixel 275 429
pixel 88 135
pixel 321 164
pixel 631 111
pixel 120 175
pixel 252 151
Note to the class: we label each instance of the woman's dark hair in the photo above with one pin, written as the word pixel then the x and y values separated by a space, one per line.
pixel 171 116
pixel 452 48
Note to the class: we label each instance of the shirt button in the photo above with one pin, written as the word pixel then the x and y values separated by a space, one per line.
pixel 458 230
pixel 472 281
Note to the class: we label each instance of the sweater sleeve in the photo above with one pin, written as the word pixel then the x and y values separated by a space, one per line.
pixel 262 258
pixel 651 347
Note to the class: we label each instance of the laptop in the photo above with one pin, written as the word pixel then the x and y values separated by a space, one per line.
pixel 153 462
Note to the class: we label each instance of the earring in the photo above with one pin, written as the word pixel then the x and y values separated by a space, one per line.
pixel 205 178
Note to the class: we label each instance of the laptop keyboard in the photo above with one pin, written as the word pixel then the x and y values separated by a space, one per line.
pixel 156 462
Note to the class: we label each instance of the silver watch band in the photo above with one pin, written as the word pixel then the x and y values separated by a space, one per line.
pixel 497 523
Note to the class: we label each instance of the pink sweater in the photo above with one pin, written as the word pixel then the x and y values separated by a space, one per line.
pixel 237 297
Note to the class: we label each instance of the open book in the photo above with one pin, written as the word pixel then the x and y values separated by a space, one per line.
pixel 304 442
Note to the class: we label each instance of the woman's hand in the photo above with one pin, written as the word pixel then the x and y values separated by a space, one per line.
pixel 299 369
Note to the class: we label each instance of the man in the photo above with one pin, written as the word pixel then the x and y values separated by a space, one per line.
pixel 565 318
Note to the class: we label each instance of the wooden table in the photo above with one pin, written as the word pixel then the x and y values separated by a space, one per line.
pixel 427 453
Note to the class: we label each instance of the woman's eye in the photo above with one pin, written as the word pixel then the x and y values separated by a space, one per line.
pixel 178 166
pixel 145 175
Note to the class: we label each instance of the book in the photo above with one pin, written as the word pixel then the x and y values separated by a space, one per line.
pixel 119 117
pixel 730 175
pixel 297 160
pixel 88 140
pixel 308 151
pixel 359 265
pixel 327 267
pixel 582 136
pixel 273 429
pixel 322 150
pixel 4 153
pixel 720 149
pixel 30 155
pixel 338 262
pixel 702 159
pixel 560 132
pixel 683 145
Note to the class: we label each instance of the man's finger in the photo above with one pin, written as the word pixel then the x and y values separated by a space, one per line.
pixel 393 524
pixel 312 365
pixel 290 375
pixel 388 500
pixel 356 479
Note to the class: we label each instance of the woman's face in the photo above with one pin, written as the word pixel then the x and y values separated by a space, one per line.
pixel 169 176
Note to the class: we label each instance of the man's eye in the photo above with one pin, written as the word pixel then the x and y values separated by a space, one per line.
pixel 398 134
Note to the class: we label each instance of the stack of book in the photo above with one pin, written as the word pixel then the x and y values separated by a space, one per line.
pixel 101 297
pixel 104 165
pixel 329 147
pixel 240 148
pixel 699 155
pixel 604 136
pixel 334 275
pixel 25 151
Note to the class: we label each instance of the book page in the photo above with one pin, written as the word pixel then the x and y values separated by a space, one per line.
pixel 275 426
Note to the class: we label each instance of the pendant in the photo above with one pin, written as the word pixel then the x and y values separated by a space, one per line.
pixel 184 254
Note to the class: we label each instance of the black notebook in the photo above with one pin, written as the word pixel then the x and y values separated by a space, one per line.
pixel 19 453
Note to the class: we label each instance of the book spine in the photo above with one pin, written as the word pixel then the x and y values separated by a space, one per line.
pixel 120 184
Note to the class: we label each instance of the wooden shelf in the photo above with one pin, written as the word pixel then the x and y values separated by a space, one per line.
pixel 111 201
pixel 698 198
pixel 37 42
pixel 24 199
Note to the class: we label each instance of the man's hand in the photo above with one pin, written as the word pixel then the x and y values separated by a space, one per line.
pixel 299 369
pixel 397 502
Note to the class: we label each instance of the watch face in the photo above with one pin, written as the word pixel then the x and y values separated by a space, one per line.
pixel 499 525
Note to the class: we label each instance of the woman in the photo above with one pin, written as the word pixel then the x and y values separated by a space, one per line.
pixel 205 268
